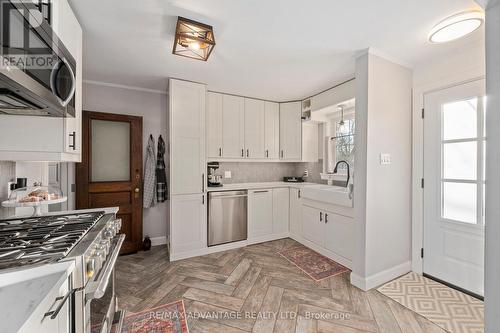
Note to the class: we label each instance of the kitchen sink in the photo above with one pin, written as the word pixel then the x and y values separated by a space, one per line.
pixel 335 195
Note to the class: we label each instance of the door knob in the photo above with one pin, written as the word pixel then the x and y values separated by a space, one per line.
pixel 136 190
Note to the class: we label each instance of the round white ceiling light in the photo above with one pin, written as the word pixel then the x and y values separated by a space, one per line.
pixel 456 26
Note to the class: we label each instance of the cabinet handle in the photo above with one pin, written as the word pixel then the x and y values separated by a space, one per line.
pixel 202 182
pixel 220 151
pixel 321 216
pixel 242 153
pixel 267 153
pixel 298 195
pixel 73 136
pixel 53 314
pixel 203 199
pixel 263 191
pixel 281 153
pixel 248 152
pixel 326 218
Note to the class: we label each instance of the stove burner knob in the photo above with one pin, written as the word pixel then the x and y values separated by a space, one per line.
pixel 118 224
pixel 91 267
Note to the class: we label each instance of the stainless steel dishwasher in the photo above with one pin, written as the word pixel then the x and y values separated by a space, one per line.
pixel 227 217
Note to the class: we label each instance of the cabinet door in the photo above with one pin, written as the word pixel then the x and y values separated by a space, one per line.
pixel 188 225
pixel 281 210
pixel 295 212
pixel 254 128
pixel 187 133
pixel 71 36
pixel 291 131
pixel 260 213
pixel 339 234
pixel 233 128
pixel 214 125
pixel 272 130
pixel 313 225
pixel 310 142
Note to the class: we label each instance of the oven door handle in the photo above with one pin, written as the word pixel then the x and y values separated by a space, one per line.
pixel 100 290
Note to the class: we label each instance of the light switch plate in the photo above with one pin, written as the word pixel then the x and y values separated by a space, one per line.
pixel 227 174
pixel 385 159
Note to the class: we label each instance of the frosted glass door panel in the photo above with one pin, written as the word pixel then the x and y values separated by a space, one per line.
pixel 459 202
pixel 460 120
pixel 110 156
pixel 460 160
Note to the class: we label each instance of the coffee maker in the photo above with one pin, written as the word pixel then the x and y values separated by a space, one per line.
pixel 214 179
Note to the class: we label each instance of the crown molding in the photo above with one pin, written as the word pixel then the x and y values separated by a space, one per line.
pixel 123 86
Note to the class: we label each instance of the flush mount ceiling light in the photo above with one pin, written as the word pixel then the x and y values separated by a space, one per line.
pixel 456 26
pixel 193 39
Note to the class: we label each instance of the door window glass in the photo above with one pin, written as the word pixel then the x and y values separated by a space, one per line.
pixel 110 157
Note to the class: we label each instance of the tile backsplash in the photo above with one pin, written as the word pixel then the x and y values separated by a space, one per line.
pixel 256 171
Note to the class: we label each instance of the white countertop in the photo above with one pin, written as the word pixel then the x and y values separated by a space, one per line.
pixel 22 291
pixel 251 186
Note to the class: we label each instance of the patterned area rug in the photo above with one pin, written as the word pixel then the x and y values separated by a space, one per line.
pixel 452 310
pixel 168 318
pixel 317 266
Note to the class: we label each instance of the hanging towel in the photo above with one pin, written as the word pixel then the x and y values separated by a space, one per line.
pixel 149 191
pixel 161 175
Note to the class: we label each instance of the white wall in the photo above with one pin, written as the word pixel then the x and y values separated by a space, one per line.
pixel 383 192
pixel 152 106
pixel 492 266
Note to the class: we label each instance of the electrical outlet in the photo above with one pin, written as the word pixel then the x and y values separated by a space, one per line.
pixel 385 159
pixel 227 174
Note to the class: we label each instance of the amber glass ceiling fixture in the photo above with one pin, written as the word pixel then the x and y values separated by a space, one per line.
pixel 193 39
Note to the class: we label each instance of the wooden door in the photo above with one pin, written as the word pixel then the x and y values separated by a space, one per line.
pixel 233 126
pixel 110 174
pixel 254 128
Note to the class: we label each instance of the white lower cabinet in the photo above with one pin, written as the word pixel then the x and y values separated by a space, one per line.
pixel 281 210
pixel 295 212
pixel 329 233
pixel 260 213
pixel 189 224
pixel 42 323
pixel 268 214
pixel 313 227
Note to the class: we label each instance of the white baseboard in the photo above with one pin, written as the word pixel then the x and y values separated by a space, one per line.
pixel 155 241
pixel 378 279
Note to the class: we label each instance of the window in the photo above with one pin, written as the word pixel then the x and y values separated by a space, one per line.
pixel 463 159
pixel 341 144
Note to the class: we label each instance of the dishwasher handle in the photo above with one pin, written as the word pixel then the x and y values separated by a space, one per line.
pixel 231 194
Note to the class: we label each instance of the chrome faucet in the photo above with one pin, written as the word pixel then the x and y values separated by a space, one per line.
pixel 348 171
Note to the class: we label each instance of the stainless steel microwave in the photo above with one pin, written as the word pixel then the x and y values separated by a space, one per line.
pixel 37 72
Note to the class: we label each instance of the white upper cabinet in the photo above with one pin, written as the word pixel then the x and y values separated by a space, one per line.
pixel 272 130
pixel 291 131
pixel 233 126
pixel 254 128
pixel 187 137
pixel 25 138
pixel 214 125
pixel 310 140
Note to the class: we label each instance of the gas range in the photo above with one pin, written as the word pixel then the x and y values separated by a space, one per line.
pixel 42 240
pixel 91 240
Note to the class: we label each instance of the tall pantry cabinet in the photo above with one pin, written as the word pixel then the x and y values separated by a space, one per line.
pixel 188 232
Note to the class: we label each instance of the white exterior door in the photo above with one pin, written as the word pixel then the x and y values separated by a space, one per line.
pixel 454 141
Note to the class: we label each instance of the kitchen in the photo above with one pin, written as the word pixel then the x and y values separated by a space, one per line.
pixel 142 191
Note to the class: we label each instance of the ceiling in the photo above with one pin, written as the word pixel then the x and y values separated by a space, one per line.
pixel 271 49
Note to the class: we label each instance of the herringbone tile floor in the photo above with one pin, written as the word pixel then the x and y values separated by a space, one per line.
pixel 254 289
